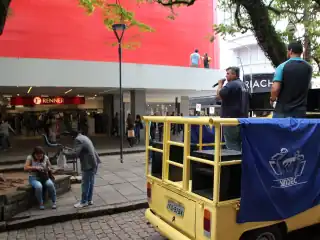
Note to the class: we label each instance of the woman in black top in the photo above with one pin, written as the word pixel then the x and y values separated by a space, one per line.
pixel 130 130
pixel 206 60
pixel 137 128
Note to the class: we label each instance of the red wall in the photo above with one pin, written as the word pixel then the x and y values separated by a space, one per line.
pixel 60 29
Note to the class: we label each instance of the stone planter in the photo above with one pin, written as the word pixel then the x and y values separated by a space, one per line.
pixel 24 198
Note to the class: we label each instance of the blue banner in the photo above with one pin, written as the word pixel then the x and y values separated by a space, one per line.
pixel 207 135
pixel 280 168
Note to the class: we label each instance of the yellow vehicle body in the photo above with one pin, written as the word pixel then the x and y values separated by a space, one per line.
pixel 222 214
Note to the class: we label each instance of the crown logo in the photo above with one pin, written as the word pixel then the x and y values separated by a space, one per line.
pixel 287 167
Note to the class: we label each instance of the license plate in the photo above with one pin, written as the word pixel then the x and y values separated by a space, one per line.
pixel 175 208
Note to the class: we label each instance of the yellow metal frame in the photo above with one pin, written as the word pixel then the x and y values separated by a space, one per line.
pixel 301 220
pixel 187 122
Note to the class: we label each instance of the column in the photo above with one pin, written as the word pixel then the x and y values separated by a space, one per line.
pixel 116 104
pixel 138 105
pixel 108 112
pixel 138 102
pixel 184 105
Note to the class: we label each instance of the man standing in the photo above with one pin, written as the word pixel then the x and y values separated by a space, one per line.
pixel 291 84
pixel 195 59
pixel 89 160
pixel 234 104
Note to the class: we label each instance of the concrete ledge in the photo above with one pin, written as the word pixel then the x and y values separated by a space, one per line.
pixel 23 198
pixel 55 217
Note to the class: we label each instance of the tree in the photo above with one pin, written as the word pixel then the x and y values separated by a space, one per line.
pixel 261 18
pixel 114 12
pixel 4 11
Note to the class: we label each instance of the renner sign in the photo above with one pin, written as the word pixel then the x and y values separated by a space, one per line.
pixel 48 100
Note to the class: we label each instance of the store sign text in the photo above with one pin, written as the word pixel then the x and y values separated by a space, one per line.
pixel 260 83
pixel 48 100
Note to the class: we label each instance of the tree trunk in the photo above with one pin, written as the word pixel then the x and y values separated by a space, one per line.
pixel 307 42
pixel 264 31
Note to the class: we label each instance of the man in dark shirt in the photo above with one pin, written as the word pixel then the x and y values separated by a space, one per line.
pixel 291 84
pixel 234 104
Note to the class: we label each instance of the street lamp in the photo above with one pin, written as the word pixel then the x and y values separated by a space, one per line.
pixel 250 63
pixel 291 29
pixel 118 30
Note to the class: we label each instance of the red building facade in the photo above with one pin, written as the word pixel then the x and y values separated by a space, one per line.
pixel 60 29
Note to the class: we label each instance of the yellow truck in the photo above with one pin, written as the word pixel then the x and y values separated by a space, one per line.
pixel 195 194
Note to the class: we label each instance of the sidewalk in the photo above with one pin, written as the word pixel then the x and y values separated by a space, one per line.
pixel 119 187
pixel 21 147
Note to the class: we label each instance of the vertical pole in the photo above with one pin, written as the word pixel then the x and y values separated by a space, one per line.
pixel 200 136
pixel 147 127
pixel 250 63
pixel 121 103
pixel 217 168
pixel 216 180
pixel 186 154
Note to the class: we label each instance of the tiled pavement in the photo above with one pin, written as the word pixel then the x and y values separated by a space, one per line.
pixel 23 147
pixel 116 183
pixel 123 226
pixel 130 225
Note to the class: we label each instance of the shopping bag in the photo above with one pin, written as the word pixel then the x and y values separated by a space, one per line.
pixel 62 161
pixel 130 133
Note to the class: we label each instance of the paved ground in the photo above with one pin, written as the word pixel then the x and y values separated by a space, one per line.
pixel 129 225
pixel 116 183
pixel 21 147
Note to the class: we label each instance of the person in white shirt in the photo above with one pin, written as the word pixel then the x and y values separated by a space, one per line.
pixel 5 128
pixel 195 59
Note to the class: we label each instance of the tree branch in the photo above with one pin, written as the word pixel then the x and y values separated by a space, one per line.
pixel 279 11
pixel 170 3
pixel 264 31
pixel 243 29
pixel 317 2
pixel 317 60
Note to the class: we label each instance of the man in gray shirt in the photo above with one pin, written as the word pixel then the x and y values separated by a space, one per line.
pixel 89 160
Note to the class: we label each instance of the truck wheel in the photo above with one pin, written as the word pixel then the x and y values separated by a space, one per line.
pixel 268 233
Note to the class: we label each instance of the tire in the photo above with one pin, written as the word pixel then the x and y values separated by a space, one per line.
pixel 267 233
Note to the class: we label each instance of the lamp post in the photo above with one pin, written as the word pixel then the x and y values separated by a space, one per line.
pixel 250 63
pixel 118 30
pixel 291 29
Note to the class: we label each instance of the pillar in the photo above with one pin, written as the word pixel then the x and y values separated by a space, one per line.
pixel 108 104
pixel 184 105
pixel 138 105
pixel 116 104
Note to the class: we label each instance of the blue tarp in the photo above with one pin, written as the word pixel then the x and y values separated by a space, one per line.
pixel 280 168
pixel 207 135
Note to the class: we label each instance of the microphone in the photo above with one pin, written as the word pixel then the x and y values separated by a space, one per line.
pixel 216 84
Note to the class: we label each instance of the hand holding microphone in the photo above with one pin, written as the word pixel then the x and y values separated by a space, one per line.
pixel 221 81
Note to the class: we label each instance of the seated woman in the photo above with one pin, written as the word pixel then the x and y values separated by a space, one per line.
pixel 38 166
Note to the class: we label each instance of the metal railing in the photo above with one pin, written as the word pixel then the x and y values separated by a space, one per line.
pixel 217 123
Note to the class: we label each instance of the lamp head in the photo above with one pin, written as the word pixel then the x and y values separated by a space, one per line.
pixel 118 30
